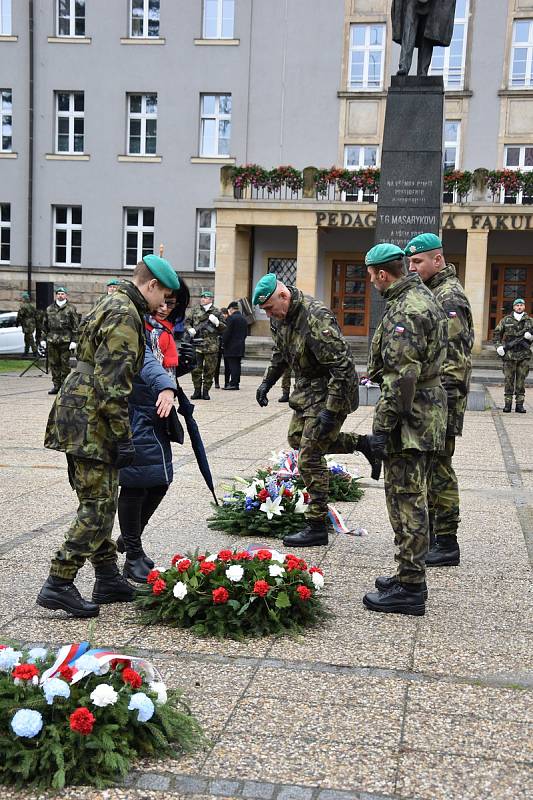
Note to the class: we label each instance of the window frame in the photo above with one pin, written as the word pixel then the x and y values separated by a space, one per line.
pixel 140 229
pixel 143 116
pixel 6 18
pixel 218 117
pixel 211 231
pixel 450 143
pixel 367 48
pixel 528 81
pixel 69 227
pixel 71 20
pixel 5 225
pixel 145 21
pixel 446 55
pixel 361 196
pixel 2 123
pixel 219 20
pixel 71 115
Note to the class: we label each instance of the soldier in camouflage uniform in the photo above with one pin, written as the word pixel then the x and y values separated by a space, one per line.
pixel 406 358
pixel 60 331
pixel 285 386
pixel 516 359
pixel 89 421
pixel 207 323
pixel 308 340
pixel 426 257
pixel 27 319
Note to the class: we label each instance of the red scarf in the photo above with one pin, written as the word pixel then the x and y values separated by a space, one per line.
pixel 167 345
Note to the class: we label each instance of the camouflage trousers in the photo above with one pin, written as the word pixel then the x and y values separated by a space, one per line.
pixel 89 536
pixel 303 436
pixel 406 475
pixel 286 381
pixel 58 362
pixel 204 372
pixel 515 373
pixel 29 341
pixel 443 493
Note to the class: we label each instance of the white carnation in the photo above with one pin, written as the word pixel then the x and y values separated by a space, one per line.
pixel 318 580
pixel 104 695
pixel 276 571
pixel 161 691
pixel 234 573
pixel 180 590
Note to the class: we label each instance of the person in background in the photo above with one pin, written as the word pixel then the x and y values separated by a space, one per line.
pixel 518 329
pixel 206 323
pixel 233 341
pixel 60 332
pixel 27 319
pixel 224 312
pixel 112 285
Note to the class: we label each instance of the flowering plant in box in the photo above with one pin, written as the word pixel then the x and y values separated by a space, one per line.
pixel 82 716
pixel 234 593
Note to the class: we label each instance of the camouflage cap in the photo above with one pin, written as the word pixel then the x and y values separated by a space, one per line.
pixel 382 253
pixel 60 289
pixel 517 301
pixel 207 293
pixel 422 244
pixel 265 288
pixel 162 270
pixel 114 282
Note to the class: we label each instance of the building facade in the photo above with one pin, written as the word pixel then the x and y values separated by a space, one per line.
pixel 124 125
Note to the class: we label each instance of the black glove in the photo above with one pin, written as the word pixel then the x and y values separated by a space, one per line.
pixel 326 421
pixel 261 394
pixel 373 447
pixel 124 454
pixel 187 359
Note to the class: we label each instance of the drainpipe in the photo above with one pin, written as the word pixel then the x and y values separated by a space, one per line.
pixel 30 143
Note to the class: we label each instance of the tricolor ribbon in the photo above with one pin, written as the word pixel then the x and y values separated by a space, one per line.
pixel 338 522
pixel 69 654
pixel 289 468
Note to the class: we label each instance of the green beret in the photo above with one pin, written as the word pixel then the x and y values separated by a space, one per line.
pixel 25 296
pixel 383 253
pixel 207 293
pixel 518 300
pixel 114 282
pixel 162 270
pixel 60 289
pixel 422 244
pixel 265 287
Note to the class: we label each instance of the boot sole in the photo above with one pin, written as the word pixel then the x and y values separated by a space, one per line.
pixel 305 544
pixel 454 563
pixel 54 605
pixel 413 611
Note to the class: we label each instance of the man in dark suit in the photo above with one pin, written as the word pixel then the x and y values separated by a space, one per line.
pixel 233 346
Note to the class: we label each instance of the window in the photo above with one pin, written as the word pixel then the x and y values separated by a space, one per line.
pixel 452 133
pixel 450 61
pixel 367 49
pixel 70 122
pixel 144 18
pixel 284 269
pixel 5 233
pixel 522 54
pixel 142 124
pixel 218 19
pixel 205 238
pixel 519 156
pixel 138 234
pixel 358 156
pixel 216 124
pixel 6 120
pixel 71 17
pixel 5 17
pixel 67 235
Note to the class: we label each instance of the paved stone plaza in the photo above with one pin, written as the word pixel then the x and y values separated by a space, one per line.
pixel 370 706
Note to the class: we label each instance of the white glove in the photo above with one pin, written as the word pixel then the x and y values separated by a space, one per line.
pixel 214 320
pixel 528 336
pixel 191 331
pixel 72 346
pixel 43 344
pixel 501 350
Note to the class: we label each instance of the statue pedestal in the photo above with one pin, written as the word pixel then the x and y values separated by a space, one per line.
pixel 410 186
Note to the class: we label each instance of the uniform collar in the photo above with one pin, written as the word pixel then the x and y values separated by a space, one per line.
pixel 295 302
pixel 443 274
pixel 403 284
pixel 134 295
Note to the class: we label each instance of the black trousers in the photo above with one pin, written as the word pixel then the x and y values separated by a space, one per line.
pixel 135 507
pixel 232 369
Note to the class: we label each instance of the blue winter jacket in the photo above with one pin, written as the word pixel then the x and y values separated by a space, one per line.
pixel 153 453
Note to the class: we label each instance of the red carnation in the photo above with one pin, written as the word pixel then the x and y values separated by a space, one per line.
pixel 3 646
pixel 262 495
pixel 200 558
pixel 66 672
pixel 261 588
pixel 225 555
pixel 82 721
pixel 175 559
pixel 292 562
pixel 206 567
pixel 263 555
pixel 307 497
pixel 159 586
pixel 184 565
pixel 315 569
pixel 25 672
pixel 132 677
pixel 220 595
pixel 244 555
pixel 287 493
pixel 302 564
pixel 304 592
pixel 152 576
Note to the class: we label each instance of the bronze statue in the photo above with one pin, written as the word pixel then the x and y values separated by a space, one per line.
pixel 424 24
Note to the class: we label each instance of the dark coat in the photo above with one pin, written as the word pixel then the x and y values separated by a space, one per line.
pixel 153 453
pixel 439 23
pixel 234 335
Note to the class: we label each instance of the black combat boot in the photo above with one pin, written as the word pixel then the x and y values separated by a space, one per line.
pixel 197 394
pixel 383 584
pixel 444 553
pixel 507 407
pixel 53 390
pixel 61 594
pixel 110 586
pixel 401 598
pixel 284 398
pixel 121 547
pixel 314 534
pixel 205 395
pixel 519 408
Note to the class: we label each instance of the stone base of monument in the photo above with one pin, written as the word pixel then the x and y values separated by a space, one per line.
pixel 477 397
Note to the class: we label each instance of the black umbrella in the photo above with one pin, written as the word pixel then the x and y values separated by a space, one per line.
pixel 185 408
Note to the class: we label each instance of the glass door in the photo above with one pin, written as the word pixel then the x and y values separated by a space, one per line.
pixel 350 290
pixel 506 284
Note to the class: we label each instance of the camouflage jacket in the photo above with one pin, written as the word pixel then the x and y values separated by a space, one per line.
pixel 509 328
pixel 60 324
pixel 310 342
pixel 27 316
pixel 90 413
pixel 406 358
pixel 198 319
pixel 457 367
